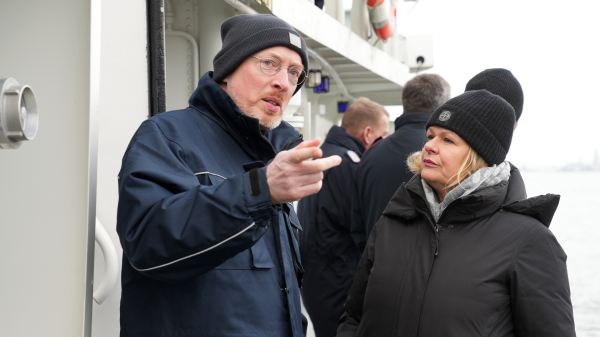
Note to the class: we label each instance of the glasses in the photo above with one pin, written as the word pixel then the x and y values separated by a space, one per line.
pixel 271 66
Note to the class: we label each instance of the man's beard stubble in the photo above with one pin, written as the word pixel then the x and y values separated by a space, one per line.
pixel 248 111
pixel 264 125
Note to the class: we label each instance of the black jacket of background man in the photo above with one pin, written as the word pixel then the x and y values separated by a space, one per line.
pixel 329 255
pixel 492 268
pixel 382 170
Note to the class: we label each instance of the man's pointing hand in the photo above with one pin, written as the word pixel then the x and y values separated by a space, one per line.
pixel 291 176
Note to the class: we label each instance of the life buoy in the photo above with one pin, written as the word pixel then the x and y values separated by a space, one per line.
pixel 382 14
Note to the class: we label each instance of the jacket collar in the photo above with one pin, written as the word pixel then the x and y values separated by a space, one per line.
pixel 339 136
pixel 541 207
pixel 412 118
pixel 409 202
pixel 212 101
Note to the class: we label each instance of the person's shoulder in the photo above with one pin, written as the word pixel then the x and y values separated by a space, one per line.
pixel 353 157
pixel 173 117
pixel 532 238
pixel 182 123
pixel 375 146
pixel 330 149
pixel 377 152
pixel 525 229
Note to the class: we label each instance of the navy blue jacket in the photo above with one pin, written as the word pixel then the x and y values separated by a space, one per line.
pixel 382 170
pixel 202 255
pixel 328 252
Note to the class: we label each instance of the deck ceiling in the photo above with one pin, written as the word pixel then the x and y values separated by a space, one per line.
pixel 359 80
pixel 364 69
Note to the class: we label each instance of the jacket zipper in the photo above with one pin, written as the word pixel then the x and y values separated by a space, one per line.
pixel 433 224
pixel 251 140
pixel 437 241
pixel 437 224
pixel 437 233
pixel 284 148
pixel 292 142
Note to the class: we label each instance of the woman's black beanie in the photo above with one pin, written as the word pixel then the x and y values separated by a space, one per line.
pixel 484 120
pixel 500 82
pixel 246 35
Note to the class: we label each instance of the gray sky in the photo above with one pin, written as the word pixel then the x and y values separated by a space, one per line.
pixel 552 47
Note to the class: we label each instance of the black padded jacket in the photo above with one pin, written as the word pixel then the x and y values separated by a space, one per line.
pixel 489 267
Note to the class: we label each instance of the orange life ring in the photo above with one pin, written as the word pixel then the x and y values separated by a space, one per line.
pixel 382 14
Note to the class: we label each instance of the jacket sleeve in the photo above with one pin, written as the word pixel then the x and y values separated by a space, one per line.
pixel 540 295
pixel 170 226
pixel 353 308
pixel 357 224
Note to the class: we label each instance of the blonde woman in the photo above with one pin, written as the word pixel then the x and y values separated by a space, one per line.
pixel 459 250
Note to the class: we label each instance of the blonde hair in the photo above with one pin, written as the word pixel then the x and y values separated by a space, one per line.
pixel 470 165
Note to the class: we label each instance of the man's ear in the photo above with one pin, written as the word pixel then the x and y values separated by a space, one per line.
pixel 366 135
pixel 223 83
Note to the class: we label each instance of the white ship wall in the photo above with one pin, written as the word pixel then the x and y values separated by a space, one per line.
pixel 123 107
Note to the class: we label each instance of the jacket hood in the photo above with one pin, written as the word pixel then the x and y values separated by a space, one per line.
pixel 212 101
pixel 339 136
pixel 409 201
pixel 412 117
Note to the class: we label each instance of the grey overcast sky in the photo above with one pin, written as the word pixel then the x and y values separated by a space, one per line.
pixel 552 47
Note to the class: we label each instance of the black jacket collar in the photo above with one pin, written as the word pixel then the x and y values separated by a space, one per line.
pixel 409 202
pixel 339 136
pixel 411 118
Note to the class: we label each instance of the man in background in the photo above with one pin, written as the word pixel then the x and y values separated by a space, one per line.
pixel 329 255
pixel 503 83
pixel 383 167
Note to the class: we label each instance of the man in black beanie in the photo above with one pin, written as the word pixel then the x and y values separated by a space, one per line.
pixel 503 83
pixel 209 237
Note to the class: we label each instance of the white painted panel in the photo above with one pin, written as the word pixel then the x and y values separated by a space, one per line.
pixel 178 57
pixel 47 187
pixel 123 107
pixel 211 15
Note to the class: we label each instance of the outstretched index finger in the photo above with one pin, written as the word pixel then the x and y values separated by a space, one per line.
pixel 325 164
pixel 309 143
pixel 300 155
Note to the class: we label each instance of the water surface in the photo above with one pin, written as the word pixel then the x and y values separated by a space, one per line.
pixel 576 225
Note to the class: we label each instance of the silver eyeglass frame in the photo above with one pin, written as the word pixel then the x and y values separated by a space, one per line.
pixel 303 76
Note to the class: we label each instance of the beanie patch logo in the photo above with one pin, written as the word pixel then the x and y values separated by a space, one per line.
pixel 445 115
pixel 295 40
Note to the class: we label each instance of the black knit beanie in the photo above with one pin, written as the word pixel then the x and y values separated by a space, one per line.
pixel 484 120
pixel 245 35
pixel 500 82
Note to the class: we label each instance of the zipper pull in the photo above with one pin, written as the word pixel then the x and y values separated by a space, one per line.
pixel 437 239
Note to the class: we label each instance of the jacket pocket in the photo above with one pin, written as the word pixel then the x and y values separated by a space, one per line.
pixel 257 257
pixel 261 259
